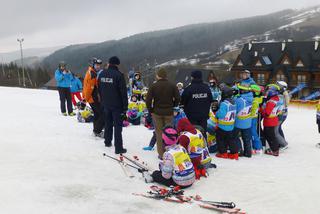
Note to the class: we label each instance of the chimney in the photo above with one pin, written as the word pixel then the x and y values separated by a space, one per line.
pixel 316 45
pixel 250 46
pixel 283 45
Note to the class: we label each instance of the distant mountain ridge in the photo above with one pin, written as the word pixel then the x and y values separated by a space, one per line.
pixel 185 44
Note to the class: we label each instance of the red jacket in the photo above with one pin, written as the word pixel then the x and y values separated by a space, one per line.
pixel 270 119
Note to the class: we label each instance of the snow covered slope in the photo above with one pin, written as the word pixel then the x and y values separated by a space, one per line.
pixel 52 164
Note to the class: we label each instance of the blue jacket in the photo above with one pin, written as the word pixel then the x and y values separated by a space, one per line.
pixel 226 115
pixel 177 118
pixel 113 90
pixel 76 85
pixel 244 106
pixel 248 82
pixel 63 80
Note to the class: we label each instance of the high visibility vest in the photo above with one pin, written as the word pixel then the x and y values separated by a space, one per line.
pixel 229 119
pixel 182 162
pixel 245 113
pixel 275 111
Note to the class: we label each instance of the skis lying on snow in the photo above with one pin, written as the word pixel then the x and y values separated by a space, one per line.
pixel 134 164
pixel 176 195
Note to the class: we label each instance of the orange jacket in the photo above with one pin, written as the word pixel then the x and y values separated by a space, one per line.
pixel 89 85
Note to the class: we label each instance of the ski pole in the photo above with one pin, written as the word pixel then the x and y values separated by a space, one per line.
pixel 135 167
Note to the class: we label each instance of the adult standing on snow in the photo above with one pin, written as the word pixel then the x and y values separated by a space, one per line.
pixel 90 95
pixel 161 98
pixel 63 79
pixel 113 91
pixel 197 99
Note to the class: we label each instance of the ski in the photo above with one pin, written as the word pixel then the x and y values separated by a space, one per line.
pixel 124 166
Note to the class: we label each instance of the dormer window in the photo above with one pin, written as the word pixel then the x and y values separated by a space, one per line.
pixel 286 62
pixel 258 63
pixel 300 64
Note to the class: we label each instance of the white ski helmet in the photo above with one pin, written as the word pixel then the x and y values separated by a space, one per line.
pixel 282 84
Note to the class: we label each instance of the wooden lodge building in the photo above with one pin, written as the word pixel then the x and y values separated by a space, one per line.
pixel 293 62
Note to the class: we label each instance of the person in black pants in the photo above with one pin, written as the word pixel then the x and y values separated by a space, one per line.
pixel 63 79
pixel 113 92
pixel 196 100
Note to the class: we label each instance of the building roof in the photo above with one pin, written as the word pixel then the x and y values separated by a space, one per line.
pixel 305 53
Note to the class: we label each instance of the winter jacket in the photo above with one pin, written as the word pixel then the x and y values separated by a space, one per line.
pixel 226 115
pixel 178 117
pixel 244 106
pixel 257 101
pixel 270 112
pixel 194 142
pixel 216 93
pixel 197 99
pixel 162 97
pixel 63 80
pixel 76 85
pixel 177 165
pixel 90 92
pixel 112 89
pixel 247 82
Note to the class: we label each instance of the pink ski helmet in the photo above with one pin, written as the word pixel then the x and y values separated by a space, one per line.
pixel 169 135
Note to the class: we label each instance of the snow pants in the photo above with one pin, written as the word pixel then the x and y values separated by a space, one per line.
pixel 157 177
pixel 153 140
pixel 256 142
pixel 279 131
pixel 65 96
pixel 113 119
pixel 246 139
pixel 225 141
pixel 270 135
pixel 98 121
pixel 75 95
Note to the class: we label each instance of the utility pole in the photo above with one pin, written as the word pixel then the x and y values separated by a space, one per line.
pixel 23 77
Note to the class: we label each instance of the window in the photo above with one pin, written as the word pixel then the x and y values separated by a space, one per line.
pixel 280 77
pixel 302 79
pixel 261 79
pixel 258 63
pixel 266 60
pixel 300 64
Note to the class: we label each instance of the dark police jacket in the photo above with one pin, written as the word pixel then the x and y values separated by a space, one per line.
pixel 112 89
pixel 196 99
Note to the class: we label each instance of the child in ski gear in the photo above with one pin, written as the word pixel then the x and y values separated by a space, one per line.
pixel 197 99
pixel 90 95
pixel 257 102
pixel 180 87
pixel 76 89
pixel 85 115
pixel 152 142
pixel 226 114
pixel 211 127
pixel 178 114
pixel 63 78
pixel 114 97
pixel 137 85
pixel 176 167
pixel 270 118
pixel 283 112
pixel 243 120
pixel 193 141
pixel 134 111
pixel 215 91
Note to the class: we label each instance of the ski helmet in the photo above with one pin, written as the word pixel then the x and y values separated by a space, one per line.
pixel 169 135
pixel 283 86
pixel 179 85
pixel 226 92
pixel 272 90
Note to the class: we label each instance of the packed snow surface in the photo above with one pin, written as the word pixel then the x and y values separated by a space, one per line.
pixel 51 164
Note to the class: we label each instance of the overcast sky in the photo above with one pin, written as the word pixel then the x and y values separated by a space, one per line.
pixel 46 23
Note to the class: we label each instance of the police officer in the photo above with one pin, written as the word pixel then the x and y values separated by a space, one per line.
pixel 196 99
pixel 113 92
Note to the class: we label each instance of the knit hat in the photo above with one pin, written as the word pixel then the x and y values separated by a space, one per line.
pixel 196 74
pixel 162 73
pixel 114 60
